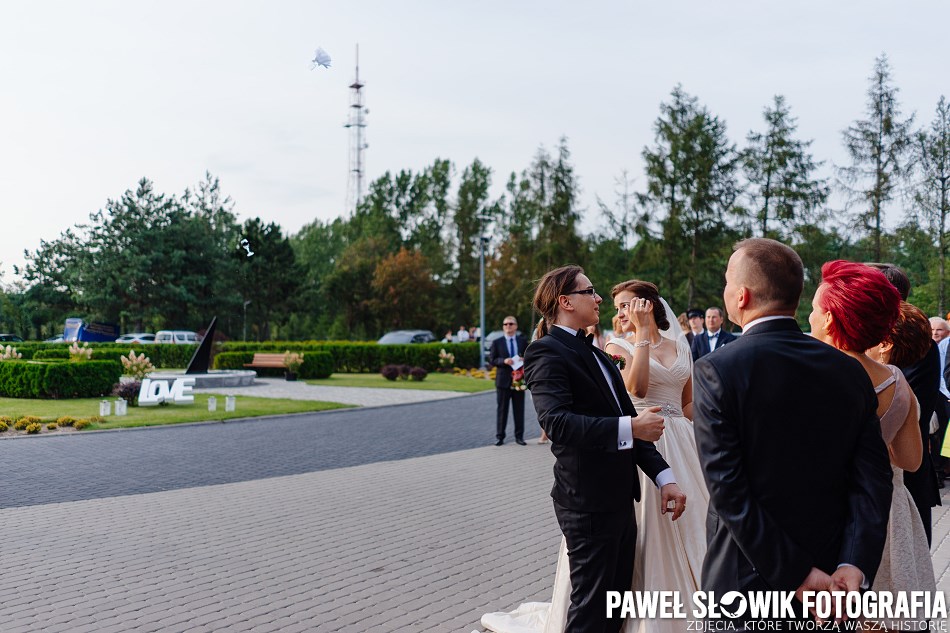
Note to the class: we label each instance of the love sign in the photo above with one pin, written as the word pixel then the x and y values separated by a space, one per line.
pixel 154 392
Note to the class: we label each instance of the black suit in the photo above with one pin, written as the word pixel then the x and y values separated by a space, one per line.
pixel 595 483
pixel 924 379
pixel 503 391
pixel 792 454
pixel 700 344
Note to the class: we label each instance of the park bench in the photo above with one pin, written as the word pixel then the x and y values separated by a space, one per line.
pixel 267 360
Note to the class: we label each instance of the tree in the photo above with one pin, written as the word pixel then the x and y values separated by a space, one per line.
pixel 932 191
pixel 878 147
pixel 691 187
pixel 402 284
pixel 779 172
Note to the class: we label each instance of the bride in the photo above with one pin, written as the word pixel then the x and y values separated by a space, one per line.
pixel 657 368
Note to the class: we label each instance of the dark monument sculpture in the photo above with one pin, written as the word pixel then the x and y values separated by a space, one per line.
pixel 201 359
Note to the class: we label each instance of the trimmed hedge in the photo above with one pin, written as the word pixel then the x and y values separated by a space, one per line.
pixel 162 356
pixel 82 379
pixel 315 364
pixel 359 357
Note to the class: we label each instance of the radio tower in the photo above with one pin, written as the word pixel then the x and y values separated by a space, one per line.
pixel 356 123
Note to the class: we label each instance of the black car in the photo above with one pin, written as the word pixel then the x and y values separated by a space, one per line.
pixel 10 338
pixel 404 337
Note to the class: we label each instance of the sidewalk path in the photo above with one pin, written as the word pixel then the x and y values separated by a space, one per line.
pixel 299 390
pixel 417 545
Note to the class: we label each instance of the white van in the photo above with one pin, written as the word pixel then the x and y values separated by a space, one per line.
pixel 178 337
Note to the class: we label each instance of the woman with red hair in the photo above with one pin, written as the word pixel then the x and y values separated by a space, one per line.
pixel 858 311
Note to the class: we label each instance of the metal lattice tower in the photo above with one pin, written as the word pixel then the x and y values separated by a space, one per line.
pixel 356 123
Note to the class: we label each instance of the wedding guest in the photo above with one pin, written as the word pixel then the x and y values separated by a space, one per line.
pixel 598 340
pixel 695 317
pixel 784 425
pixel 462 335
pixel 922 375
pixel 448 337
pixel 714 337
pixel 506 352
pixel 855 309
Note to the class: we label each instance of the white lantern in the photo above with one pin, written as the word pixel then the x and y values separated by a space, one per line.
pixel 212 403
pixel 105 407
pixel 121 407
pixel 229 402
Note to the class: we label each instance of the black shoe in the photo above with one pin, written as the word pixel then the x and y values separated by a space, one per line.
pixel 499 442
pixel 521 442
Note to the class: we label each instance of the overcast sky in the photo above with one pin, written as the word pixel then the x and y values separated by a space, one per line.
pixel 96 95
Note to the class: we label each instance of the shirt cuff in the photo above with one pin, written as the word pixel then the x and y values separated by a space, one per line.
pixel 624 434
pixel 665 477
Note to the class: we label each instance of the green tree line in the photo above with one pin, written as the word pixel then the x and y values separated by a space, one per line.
pixel 408 256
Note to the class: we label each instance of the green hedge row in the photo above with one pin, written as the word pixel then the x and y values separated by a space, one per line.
pixel 162 356
pixel 83 379
pixel 357 357
pixel 315 364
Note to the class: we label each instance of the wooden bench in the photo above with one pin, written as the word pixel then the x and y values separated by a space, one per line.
pixel 267 360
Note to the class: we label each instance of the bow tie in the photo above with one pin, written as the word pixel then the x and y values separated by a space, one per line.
pixel 714 335
pixel 586 338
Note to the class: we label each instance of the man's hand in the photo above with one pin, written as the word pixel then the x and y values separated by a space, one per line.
pixel 816 580
pixel 647 426
pixel 509 361
pixel 671 495
pixel 847 578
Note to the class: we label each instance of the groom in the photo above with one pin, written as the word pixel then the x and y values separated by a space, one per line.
pixel 798 475
pixel 598 440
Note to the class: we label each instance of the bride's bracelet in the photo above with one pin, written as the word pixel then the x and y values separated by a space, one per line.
pixel 642 343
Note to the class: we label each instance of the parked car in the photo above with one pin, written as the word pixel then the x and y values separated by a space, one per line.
pixel 136 337
pixel 10 338
pixel 403 337
pixel 55 339
pixel 177 337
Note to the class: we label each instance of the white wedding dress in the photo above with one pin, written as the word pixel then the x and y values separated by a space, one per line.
pixel 669 555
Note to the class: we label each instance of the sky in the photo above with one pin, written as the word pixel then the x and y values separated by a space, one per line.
pixel 95 95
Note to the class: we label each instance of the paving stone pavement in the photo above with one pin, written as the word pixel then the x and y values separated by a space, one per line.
pixel 423 544
pixel 363 396
pixel 57 468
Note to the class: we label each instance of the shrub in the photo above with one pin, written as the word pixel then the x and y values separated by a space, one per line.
pixel 3 427
pixel 52 426
pixel 317 365
pixel 77 353
pixel 292 361
pixel 84 379
pixel 66 420
pixel 128 391
pixel 10 353
pixel 137 367
pixel 33 427
pixel 390 372
pixel 404 372
pixel 6 419
pixel 418 373
pixel 82 423
pixel 25 421
pixel 51 354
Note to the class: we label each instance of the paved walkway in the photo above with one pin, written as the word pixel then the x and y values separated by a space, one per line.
pixel 299 390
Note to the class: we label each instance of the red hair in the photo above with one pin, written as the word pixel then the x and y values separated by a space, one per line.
pixel 864 304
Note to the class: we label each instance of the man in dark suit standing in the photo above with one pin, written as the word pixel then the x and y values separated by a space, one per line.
pixel 798 475
pixel 598 441
pixel 713 337
pixel 507 351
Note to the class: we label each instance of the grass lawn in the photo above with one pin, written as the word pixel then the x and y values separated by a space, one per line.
pixel 246 407
pixel 433 382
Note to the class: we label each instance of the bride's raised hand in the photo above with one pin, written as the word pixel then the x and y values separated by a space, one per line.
pixel 641 312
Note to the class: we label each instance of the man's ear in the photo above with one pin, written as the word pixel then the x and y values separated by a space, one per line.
pixel 743 297
pixel 564 303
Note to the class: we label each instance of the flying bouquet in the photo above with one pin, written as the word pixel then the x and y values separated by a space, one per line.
pixel 320 58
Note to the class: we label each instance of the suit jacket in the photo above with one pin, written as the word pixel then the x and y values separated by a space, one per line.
pixel 499 353
pixel 924 379
pixel 700 344
pixel 792 454
pixel 577 409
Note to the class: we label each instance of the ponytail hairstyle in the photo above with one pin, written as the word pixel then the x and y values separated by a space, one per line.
pixel 554 284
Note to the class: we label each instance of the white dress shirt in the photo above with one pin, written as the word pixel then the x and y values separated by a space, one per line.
pixel 624 429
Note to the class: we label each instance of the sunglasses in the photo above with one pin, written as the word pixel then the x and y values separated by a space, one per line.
pixel 586 291
pixel 509 323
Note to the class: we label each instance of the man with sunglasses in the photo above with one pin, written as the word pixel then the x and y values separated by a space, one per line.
pixel 506 353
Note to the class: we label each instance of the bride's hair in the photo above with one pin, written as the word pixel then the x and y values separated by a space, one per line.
pixel 554 284
pixel 645 290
